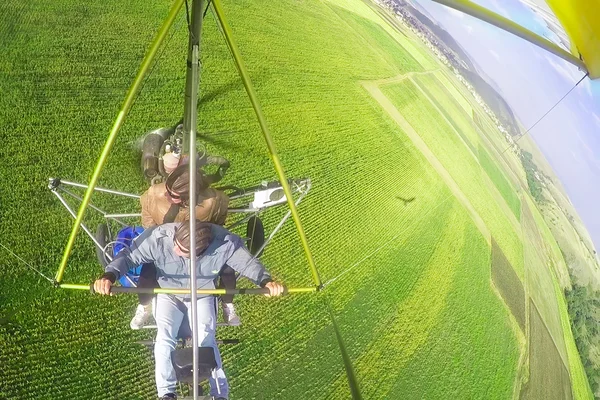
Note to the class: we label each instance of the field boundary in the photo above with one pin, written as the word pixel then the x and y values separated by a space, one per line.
pixel 491 185
pixel 521 333
pixel 373 89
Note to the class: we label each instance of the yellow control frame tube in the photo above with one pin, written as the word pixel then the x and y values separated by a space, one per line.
pixel 130 98
pixel 267 135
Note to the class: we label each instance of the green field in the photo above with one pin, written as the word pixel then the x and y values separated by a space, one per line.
pixel 409 282
pixel 453 113
pixel 457 160
pixel 502 184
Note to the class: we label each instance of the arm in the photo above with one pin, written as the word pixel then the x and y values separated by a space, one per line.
pixel 222 163
pixel 222 202
pixel 213 207
pixel 203 211
pixel 142 250
pixel 246 265
pixel 147 220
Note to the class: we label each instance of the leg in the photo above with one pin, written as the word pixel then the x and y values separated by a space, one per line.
pixel 227 280
pixel 168 315
pixel 147 279
pixel 207 321
pixel 143 311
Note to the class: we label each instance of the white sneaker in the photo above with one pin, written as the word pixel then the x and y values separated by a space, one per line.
pixel 142 315
pixel 229 314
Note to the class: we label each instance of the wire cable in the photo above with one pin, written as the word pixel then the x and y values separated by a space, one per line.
pixel 548 112
pixel 207 7
pixel 26 263
pixel 189 23
pixel 378 249
pixel 162 52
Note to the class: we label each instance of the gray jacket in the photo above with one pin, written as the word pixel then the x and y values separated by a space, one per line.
pixel 156 245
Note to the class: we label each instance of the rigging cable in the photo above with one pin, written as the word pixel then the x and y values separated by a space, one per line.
pixel 378 249
pixel 189 23
pixel 207 7
pixel 26 263
pixel 162 51
pixel 548 112
pixel 220 29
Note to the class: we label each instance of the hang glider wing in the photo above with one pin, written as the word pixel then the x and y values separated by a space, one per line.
pixel 576 24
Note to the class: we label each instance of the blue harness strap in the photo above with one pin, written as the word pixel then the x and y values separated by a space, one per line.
pixel 124 239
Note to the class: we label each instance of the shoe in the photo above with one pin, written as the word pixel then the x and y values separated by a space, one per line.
pixel 230 316
pixel 169 396
pixel 142 315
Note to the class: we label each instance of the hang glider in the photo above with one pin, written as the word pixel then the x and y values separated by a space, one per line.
pixel 579 20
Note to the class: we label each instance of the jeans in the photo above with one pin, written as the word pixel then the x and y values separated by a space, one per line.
pixel 227 280
pixel 147 279
pixel 168 313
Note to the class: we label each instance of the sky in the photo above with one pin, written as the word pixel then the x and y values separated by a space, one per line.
pixel 533 80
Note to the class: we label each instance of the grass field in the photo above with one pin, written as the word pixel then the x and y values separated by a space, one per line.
pixel 453 113
pixel 540 280
pixel 453 154
pixel 548 376
pixel 509 285
pixel 409 282
pixel 461 122
pixel 502 184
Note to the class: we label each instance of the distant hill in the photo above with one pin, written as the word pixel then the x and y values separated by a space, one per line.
pixel 494 100
pixel 443 36
pixel 461 60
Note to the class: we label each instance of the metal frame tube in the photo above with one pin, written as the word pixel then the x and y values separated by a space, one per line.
pixel 483 14
pixel 98 189
pixel 192 205
pixel 85 228
pixel 190 122
pixel 279 225
pixel 131 95
pixel 114 216
pixel 104 214
pixel 244 210
pixel 241 221
pixel 121 289
pixel 190 109
pixel 254 212
pixel 217 7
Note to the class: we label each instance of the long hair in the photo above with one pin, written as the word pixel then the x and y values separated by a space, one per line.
pixel 178 182
pixel 203 235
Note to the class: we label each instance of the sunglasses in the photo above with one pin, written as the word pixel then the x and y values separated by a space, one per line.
pixel 172 195
pixel 183 249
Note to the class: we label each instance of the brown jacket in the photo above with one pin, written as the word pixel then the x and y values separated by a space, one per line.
pixel 212 206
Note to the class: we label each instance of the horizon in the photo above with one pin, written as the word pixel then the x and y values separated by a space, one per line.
pixel 532 81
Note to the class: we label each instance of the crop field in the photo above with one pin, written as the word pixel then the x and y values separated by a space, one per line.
pixel 437 338
pixel 452 112
pixel 457 94
pixel 540 280
pixel 464 169
pixel 578 379
pixel 502 184
pixel 555 257
pixel 498 148
pixel 462 124
pixel 407 271
pixel 548 376
pixel 509 285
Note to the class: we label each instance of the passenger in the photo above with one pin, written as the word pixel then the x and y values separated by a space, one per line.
pixel 168 202
pixel 172 160
pixel 167 247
